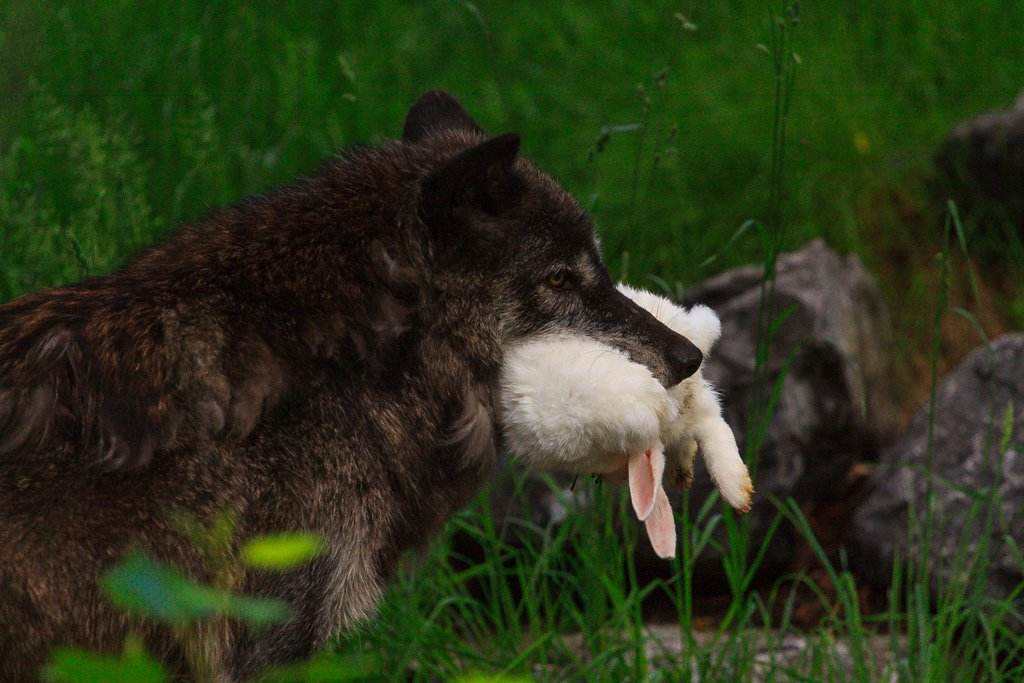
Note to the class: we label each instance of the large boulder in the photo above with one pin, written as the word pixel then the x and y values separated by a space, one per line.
pixel 828 356
pixel 977 446
pixel 981 166
pixel 835 405
pixel 829 344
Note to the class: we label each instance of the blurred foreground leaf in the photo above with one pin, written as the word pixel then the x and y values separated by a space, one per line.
pixel 324 668
pixel 282 551
pixel 143 586
pixel 69 664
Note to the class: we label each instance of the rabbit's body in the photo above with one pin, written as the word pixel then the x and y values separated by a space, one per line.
pixel 574 404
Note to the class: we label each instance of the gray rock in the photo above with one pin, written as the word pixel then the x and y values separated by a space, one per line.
pixel 982 164
pixel 829 350
pixel 973 453
pixel 756 654
pixel 828 358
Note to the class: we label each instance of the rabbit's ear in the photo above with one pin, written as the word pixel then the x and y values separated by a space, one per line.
pixel 661 526
pixel 645 472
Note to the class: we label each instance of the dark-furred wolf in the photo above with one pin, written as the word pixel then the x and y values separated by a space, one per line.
pixel 322 357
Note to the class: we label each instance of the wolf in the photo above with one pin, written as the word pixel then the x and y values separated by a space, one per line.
pixel 323 357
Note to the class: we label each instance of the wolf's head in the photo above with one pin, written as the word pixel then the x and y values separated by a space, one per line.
pixel 496 215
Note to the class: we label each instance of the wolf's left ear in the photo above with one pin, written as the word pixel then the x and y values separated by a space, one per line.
pixel 480 177
pixel 433 112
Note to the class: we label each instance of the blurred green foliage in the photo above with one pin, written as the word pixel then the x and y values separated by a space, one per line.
pixel 281 551
pixel 121 119
pixel 69 665
pixel 146 587
pixel 152 590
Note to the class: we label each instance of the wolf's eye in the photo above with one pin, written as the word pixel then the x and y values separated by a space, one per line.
pixel 560 279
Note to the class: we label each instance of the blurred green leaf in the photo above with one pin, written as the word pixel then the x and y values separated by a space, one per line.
pixel 324 668
pixel 143 586
pixel 257 611
pixel 212 538
pixel 282 551
pixel 346 68
pixel 1007 435
pixel 70 664
pixel 140 585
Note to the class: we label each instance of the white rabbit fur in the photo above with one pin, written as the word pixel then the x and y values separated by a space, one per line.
pixel 573 404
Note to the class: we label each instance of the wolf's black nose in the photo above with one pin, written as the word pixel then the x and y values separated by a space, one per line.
pixel 683 360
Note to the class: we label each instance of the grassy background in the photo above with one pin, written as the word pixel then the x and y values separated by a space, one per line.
pixel 119 120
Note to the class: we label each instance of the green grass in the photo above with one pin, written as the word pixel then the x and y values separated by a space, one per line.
pixel 512 612
pixel 120 121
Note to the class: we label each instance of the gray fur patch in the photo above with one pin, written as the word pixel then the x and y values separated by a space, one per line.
pixel 473 432
pixel 211 416
pixel 258 392
pixel 29 414
pixel 53 346
pixel 354 588
pixel 392 317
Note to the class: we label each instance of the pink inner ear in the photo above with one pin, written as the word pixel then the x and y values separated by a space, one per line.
pixel 661 526
pixel 645 472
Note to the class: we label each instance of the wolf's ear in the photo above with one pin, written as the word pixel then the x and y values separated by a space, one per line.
pixel 480 177
pixel 436 111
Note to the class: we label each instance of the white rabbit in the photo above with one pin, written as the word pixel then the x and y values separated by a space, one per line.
pixel 573 404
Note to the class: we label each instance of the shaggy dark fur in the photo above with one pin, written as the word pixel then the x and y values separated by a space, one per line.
pixel 320 358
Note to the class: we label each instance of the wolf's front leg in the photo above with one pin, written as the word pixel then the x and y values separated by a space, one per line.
pixel 304 590
pixel 327 596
